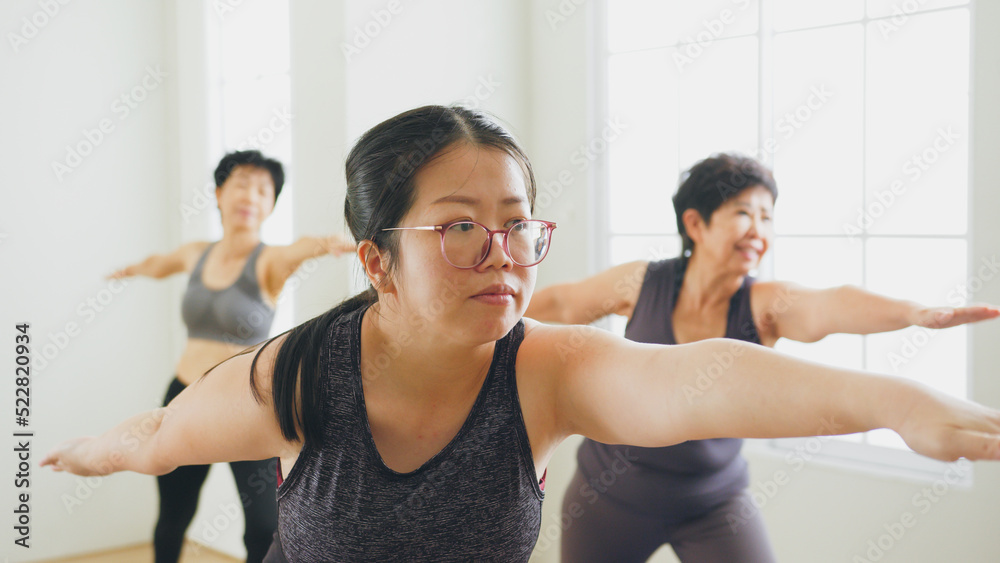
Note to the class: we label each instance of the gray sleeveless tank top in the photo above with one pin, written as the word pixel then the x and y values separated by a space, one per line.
pixel 681 481
pixel 236 314
pixel 475 500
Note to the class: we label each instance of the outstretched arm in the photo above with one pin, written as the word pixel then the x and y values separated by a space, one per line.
pixel 282 261
pixel 160 266
pixel 215 419
pixel 808 315
pixel 620 392
pixel 611 292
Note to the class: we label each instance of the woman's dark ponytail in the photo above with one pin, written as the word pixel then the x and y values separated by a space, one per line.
pixel 298 364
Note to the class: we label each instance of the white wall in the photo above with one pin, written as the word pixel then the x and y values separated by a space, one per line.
pixel 63 236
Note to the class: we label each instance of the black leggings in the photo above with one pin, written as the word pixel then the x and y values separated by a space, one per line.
pixel 179 490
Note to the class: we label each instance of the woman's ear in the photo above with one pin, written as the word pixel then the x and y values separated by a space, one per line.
pixel 693 224
pixel 376 266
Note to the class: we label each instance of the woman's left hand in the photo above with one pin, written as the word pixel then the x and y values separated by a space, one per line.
pixel 338 245
pixel 946 317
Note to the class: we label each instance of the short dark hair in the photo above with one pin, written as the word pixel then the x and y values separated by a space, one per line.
pixel 711 182
pixel 250 158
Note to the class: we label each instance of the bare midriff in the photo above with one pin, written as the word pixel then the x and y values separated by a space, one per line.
pixel 200 355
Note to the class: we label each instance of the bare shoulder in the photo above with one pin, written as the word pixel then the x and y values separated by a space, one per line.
pixel 189 253
pixel 550 350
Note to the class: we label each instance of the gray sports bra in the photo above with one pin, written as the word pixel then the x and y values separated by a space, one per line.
pixel 236 314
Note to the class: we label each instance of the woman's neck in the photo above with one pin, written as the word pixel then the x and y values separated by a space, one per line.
pixel 708 285
pixel 238 242
pixel 417 361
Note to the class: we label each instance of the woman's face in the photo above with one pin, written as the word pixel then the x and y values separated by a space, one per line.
pixel 740 231
pixel 246 198
pixel 477 305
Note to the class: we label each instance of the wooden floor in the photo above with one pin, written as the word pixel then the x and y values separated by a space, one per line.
pixel 193 553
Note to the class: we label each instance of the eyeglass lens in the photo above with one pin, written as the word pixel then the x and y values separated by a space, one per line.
pixel 466 244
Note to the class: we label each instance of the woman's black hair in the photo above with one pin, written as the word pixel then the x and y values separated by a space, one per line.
pixel 250 158
pixel 711 182
pixel 380 190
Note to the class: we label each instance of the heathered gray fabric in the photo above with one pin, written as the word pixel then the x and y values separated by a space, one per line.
pixel 476 500
pixel 681 481
pixel 236 314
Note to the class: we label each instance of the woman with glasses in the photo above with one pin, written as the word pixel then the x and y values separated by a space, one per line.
pixel 228 306
pixel 685 495
pixel 414 421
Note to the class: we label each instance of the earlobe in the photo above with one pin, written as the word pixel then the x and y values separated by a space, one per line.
pixel 693 224
pixel 375 264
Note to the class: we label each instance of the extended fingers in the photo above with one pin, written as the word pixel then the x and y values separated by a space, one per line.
pixel 974 314
pixel 971 444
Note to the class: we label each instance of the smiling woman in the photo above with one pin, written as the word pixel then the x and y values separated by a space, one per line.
pixel 687 492
pixel 437 450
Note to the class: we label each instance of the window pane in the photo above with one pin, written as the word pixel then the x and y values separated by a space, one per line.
pixel 927 271
pixel 817 262
pixel 917 126
pixel 901 9
pixel 818 129
pixel 255 39
pixel 642 24
pixel 841 350
pixel 796 14
pixel 642 162
pixel 718 101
